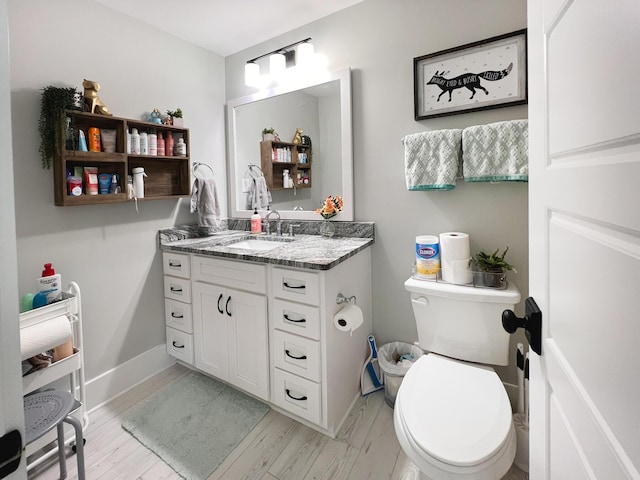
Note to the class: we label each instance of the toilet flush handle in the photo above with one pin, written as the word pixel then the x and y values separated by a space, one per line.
pixel 421 302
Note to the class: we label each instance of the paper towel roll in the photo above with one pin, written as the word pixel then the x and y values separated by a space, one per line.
pixel 43 336
pixel 349 318
pixel 455 255
pixel 522 441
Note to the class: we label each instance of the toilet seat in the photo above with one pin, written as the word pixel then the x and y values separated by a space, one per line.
pixel 455 417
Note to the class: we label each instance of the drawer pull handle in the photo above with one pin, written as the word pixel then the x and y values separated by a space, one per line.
pixel 288 319
pixel 177 345
pixel 175 265
pixel 174 315
pixel 300 399
pixel 303 357
pixel 175 289
pixel 226 306
pixel 219 309
pixel 294 286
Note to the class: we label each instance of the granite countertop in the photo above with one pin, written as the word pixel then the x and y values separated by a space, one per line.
pixel 301 251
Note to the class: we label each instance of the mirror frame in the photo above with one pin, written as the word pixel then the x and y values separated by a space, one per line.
pixel 344 79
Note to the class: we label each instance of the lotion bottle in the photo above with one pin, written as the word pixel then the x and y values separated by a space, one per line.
pixel 256 222
pixel 135 141
pixel 50 284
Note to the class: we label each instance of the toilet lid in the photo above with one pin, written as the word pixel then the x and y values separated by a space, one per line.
pixel 457 412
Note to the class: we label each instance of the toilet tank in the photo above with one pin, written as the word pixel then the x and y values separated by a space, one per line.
pixel 462 322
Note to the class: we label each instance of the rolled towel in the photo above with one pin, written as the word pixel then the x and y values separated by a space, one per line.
pixel 497 152
pixel 432 159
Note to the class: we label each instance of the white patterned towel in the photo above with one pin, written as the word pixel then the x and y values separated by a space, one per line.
pixel 431 159
pixel 497 152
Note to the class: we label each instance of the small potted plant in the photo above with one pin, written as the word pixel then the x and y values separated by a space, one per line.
pixel 490 269
pixel 52 124
pixel 268 134
pixel 174 117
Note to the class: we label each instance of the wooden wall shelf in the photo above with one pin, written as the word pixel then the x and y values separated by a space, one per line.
pixel 168 176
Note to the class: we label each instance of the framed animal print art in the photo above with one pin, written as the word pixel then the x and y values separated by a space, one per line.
pixel 491 73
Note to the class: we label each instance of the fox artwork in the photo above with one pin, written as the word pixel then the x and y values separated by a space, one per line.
pixel 470 81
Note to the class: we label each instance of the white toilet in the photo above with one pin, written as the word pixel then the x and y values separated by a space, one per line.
pixel 452 415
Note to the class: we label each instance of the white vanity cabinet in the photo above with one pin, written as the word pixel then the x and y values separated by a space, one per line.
pixel 230 322
pixel 315 368
pixel 177 305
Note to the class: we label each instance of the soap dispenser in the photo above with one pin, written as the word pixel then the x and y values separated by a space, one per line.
pixel 256 222
pixel 50 283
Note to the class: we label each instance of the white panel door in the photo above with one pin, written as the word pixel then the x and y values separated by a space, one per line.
pixel 584 113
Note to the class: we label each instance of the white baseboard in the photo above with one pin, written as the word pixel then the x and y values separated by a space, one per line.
pixel 115 382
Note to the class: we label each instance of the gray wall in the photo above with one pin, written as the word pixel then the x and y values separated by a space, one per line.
pixel 378 39
pixel 110 250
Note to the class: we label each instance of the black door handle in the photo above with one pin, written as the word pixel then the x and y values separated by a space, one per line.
pixel 177 345
pixel 226 306
pixel 532 324
pixel 293 286
pixel 173 315
pixel 219 309
pixel 176 289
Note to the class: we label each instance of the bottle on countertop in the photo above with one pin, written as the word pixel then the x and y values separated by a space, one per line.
pixel 50 283
pixel 256 222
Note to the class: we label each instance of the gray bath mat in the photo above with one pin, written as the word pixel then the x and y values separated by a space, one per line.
pixel 193 423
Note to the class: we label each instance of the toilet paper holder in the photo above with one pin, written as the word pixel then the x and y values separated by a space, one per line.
pixel 342 299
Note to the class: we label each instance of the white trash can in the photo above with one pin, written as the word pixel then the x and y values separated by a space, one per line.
pixel 395 359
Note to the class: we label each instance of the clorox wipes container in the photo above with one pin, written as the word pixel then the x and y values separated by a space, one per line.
pixel 427 256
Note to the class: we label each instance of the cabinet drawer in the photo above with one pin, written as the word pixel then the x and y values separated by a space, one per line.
pixel 178 315
pixel 177 289
pixel 245 276
pixel 297 395
pixel 180 345
pixel 176 264
pixel 296 285
pixel 297 355
pixel 296 318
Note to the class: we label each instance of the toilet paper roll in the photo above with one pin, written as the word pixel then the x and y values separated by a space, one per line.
pixel 454 258
pixel 458 272
pixel 522 441
pixel 349 318
pixel 42 336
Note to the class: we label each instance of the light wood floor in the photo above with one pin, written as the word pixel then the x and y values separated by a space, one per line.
pixel 278 448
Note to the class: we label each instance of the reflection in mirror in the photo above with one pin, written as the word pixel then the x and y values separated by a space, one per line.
pixel 325 167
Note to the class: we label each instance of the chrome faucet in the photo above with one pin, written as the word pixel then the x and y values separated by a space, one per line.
pixel 267 223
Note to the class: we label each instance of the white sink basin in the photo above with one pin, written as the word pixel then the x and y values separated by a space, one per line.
pixel 257 244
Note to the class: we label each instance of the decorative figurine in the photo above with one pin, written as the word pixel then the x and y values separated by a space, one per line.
pixel 155 116
pixel 92 101
pixel 297 138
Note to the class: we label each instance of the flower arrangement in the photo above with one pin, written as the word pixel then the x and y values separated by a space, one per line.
pixel 330 207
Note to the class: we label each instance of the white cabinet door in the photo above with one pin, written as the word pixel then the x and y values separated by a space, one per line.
pixel 211 329
pixel 248 351
pixel 230 336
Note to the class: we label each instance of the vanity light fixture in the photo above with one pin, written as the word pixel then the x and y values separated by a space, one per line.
pixel 279 60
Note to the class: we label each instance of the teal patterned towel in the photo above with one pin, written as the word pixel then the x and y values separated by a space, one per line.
pixel 432 159
pixel 498 152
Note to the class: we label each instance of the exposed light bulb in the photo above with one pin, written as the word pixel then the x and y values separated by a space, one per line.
pixel 305 54
pixel 252 74
pixel 277 65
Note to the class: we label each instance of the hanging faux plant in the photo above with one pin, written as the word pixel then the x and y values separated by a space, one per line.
pixel 55 100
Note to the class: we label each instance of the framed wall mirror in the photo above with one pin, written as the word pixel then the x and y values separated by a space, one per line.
pixel 322 166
